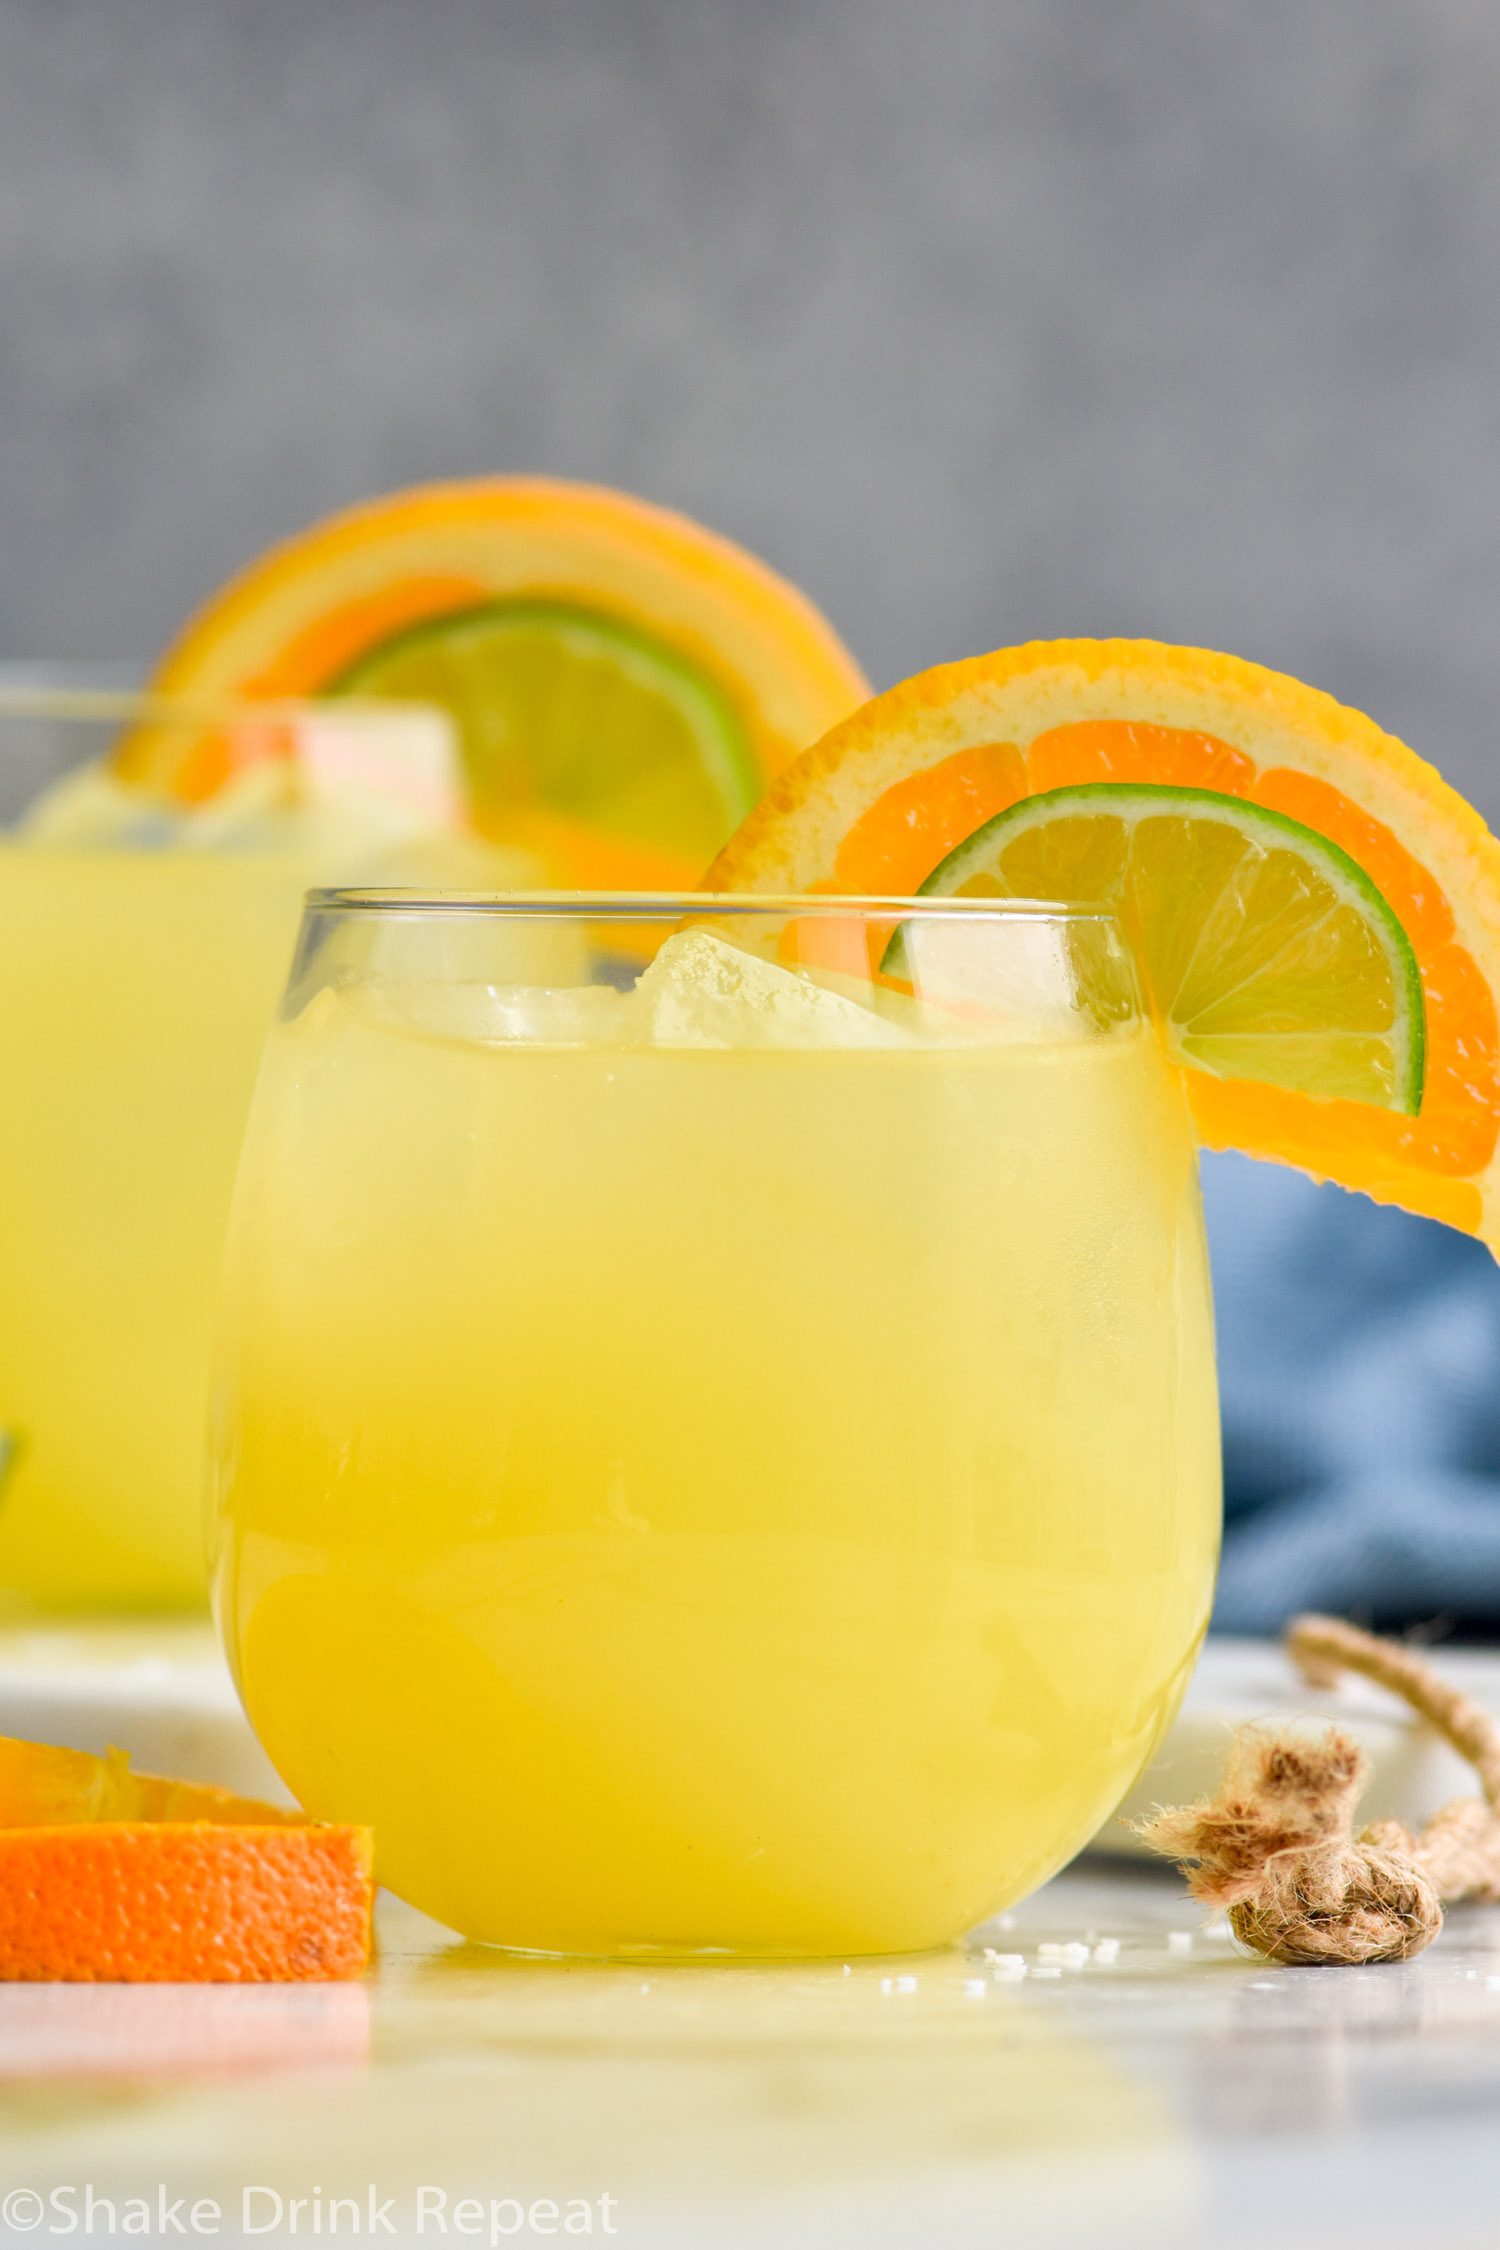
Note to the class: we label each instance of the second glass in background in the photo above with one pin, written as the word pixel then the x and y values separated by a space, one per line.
pixel 144 937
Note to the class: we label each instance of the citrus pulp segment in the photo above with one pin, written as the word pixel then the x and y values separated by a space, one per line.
pixel 1265 951
pixel 714 670
pixel 537 688
pixel 899 785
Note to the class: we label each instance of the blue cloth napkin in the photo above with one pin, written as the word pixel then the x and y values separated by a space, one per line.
pixel 1359 1364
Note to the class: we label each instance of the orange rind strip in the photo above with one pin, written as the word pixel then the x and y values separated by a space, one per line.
pixel 107 1876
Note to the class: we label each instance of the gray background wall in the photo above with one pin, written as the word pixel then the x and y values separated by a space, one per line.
pixel 982 318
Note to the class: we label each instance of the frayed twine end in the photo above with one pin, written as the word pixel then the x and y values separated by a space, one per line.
pixel 1276 1847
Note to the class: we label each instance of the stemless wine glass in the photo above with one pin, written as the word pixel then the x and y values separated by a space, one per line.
pixel 715 1440
pixel 145 932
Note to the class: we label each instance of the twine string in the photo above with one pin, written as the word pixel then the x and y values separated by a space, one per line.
pixel 1276 1847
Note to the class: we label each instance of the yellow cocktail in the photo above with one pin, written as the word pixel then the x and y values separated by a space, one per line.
pixel 729 1463
pixel 142 950
pixel 133 1004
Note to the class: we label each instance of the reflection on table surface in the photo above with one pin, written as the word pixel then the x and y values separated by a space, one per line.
pixel 1045 2085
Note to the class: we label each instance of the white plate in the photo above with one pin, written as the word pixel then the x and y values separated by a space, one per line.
pixel 1414 1771
pixel 160 1689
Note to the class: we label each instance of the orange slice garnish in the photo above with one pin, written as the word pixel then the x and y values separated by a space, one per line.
pixel 623 682
pixel 923 788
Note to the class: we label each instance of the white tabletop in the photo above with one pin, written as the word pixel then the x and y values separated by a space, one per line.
pixel 1178 2094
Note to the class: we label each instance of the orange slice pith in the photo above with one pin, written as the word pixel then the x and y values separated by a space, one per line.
pixel 107 1876
pixel 888 793
pixel 310 617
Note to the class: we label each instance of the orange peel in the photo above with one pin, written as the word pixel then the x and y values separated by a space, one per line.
pixel 108 1876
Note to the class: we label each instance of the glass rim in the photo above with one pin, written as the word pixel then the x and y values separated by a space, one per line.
pixel 674 906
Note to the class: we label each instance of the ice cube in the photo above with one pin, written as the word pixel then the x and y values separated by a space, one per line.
pixel 702 992
pixel 90 810
pixel 350 784
pixel 425 943
pixel 1001 980
pixel 488 1015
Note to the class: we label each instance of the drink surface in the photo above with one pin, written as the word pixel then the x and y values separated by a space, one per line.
pixel 713 1498
pixel 133 1008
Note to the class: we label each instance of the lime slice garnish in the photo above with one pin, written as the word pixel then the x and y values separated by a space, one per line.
pixel 1265 952
pixel 577 713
